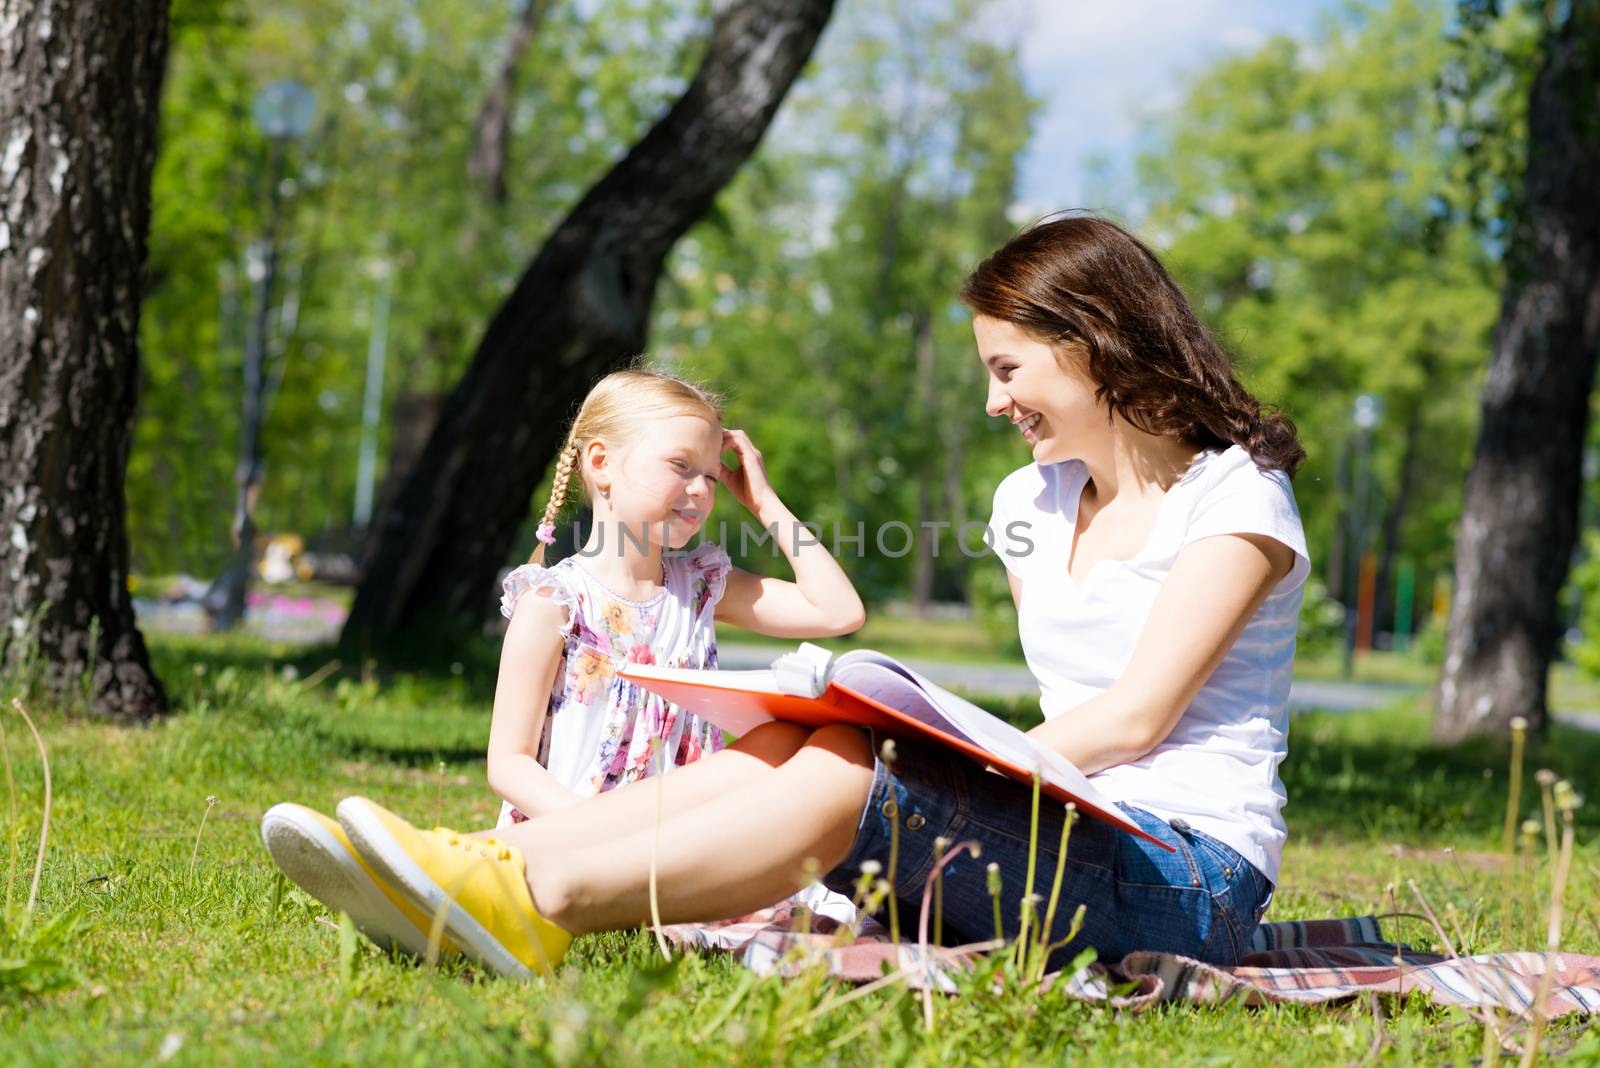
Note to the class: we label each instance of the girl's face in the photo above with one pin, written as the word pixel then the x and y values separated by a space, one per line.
pixel 1051 405
pixel 664 477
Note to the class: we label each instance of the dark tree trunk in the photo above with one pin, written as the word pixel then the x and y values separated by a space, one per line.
pixel 80 87
pixel 1520 516
pixel 580 310
pixel 412 418
pixel 492 130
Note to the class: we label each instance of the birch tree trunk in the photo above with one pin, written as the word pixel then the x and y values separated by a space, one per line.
pixel 80 87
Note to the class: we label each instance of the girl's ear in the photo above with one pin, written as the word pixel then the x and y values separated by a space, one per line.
pixel 595 463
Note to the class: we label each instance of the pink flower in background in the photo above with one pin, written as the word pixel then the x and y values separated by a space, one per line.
pixel 641 654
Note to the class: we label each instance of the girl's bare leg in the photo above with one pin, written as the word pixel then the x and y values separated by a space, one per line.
pixel 620 812
pixel 732 853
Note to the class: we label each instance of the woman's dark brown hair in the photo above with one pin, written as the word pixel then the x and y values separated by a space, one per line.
pixel 1079 282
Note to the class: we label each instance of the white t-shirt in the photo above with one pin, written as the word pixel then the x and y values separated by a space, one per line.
pixel 1218 769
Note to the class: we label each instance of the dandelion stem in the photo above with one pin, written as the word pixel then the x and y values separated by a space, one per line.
pixel 318 676
pixel 1548 803
pixel 44 829
pixel 655 849
pixel 1519 735
pixel 1489 1017
pixel 994 896
pixel 1033 863
pixel 1558 889
pixel 892 807
pixel 942 855
pixel 1055 887
pixel 211 801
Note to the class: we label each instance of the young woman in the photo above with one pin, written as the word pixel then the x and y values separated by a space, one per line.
pixel 1156 556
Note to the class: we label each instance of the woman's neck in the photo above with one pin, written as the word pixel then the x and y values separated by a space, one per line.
pixel 625 559
pixel 1133 462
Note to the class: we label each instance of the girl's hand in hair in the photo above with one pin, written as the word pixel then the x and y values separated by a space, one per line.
pixel 747 482
pixel 820 602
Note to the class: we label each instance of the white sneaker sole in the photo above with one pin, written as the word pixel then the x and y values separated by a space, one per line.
pixel 379 849
pixel 320 865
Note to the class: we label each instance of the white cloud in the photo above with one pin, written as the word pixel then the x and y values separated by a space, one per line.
pixel 1241 38
pixel 1103 67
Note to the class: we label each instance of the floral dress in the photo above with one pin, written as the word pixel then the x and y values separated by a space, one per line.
pixel 603 730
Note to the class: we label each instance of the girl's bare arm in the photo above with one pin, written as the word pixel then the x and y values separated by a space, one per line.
pixel 529 659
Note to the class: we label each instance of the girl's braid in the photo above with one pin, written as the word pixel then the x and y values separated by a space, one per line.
pixel 558 496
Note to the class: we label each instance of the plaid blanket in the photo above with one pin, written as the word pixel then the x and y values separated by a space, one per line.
pixel 1308 961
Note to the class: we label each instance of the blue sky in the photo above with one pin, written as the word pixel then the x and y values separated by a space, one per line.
pixel 1101 66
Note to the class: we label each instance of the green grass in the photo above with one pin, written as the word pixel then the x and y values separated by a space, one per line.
pixel 227 964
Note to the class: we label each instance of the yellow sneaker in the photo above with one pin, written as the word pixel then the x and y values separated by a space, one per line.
pixel 312 850
pixel 479 883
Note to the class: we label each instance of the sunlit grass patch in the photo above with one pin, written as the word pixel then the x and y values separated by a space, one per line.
pixel 205 954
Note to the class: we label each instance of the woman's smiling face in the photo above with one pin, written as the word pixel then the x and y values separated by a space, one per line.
pixel 1049 400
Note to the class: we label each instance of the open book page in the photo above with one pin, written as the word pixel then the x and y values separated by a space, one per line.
pixel 889 687
pixel 814 688
pixel 885 679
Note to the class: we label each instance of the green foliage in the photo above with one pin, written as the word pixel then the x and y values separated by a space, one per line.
pixel 1585 584
pixel 996 611
pixel 1335 206
pixel 1306 195
pixel 1484 89
pixel 1429 645
pixel 1321 627
pixel 378 186
pixel 821 294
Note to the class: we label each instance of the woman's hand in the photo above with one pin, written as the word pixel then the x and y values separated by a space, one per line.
pixel 747 482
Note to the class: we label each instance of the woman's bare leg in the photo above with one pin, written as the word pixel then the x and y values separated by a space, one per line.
pixel 620 812
pixel 732 853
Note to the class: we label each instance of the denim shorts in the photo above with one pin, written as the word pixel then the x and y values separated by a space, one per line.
pixel 1202 901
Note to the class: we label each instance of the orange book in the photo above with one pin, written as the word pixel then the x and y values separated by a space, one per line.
pixel 868 689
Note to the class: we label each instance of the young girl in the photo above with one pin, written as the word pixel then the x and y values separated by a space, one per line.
pixel 647 450
pixel 1157 559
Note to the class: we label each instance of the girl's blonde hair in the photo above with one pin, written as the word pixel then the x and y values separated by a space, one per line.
pixel 613 410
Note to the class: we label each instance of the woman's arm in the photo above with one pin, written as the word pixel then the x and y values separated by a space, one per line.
pixel 1215 586
pixel 529 658
pixel 820 602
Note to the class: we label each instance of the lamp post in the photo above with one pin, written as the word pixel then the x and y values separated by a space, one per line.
pixel 283 111
pixel 1365 415
pixel 372 399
